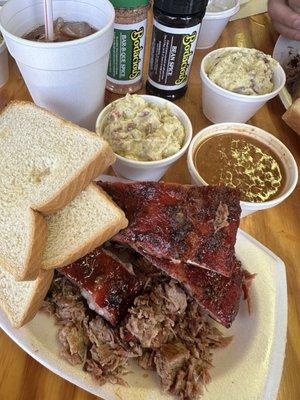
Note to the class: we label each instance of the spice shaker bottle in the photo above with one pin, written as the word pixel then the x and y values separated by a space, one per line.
pixel 126 60
pixel 175 29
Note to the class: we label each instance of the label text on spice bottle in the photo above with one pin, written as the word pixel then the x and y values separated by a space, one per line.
pixel 136 37
pixel 187 42
pixel 127 53
pixel 171 56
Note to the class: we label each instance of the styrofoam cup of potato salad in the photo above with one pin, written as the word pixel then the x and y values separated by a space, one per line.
pixel 237 82
pixel 147 134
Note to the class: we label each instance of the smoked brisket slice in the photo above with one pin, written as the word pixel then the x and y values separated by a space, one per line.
pixel 106 284
pixel 181 223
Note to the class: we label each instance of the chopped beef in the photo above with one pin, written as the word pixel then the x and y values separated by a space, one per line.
pixel 108 286
pixel 181 223
pixel 165 330
pixel 169 359
pixel 180 348
pixel 176 301
pixel 107 359
pixel 151 321
pixel 66 302
pixel 292 71
pixel 74 343
pixel 184 363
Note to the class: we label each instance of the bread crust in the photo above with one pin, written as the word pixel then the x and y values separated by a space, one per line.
pixel 292 116
pixel 32 264
pixel 119 223
pixel 33 261
pixel 80 181
pixel 39 291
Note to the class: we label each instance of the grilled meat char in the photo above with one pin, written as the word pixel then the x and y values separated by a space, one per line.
pixel 181 223
pixel 105 282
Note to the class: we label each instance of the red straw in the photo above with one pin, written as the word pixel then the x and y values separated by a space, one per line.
pixel 48 14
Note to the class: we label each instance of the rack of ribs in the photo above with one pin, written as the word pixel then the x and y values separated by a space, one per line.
pixel 180 223
pixel 189 233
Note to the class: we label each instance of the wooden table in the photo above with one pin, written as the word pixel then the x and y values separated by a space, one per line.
pixel 22 378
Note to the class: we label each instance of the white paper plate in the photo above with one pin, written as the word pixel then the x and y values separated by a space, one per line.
pixel 284 50
pixel 249 368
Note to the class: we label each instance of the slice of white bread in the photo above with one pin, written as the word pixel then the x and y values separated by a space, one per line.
pixel 292 116
pixel 22 241
pixel 45 162
pixel 45 159
pixel 21 300
pixel 88 221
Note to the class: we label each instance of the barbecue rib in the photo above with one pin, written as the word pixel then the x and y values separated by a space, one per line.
pixel 107 285
pixel 218 295
pixel 195 225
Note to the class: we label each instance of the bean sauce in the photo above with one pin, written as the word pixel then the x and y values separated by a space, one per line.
pixel 241 162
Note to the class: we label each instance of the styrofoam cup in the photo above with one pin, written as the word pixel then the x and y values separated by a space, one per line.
pixel 66 77
pixel 268 139
pixel 221 105
pixel 4 71
pixel 149 170
pixel 214 23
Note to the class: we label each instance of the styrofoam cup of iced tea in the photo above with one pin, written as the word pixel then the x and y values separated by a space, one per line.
pixel 65 77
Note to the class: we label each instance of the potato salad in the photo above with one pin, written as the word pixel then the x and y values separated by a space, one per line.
pixel 140 130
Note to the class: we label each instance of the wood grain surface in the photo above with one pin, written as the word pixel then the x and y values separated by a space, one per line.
pixel 22 378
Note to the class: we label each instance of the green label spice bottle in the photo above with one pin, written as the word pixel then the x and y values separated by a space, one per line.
pixel 176 26
pixel 125 67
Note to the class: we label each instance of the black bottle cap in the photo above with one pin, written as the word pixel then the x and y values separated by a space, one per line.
pixel 181 7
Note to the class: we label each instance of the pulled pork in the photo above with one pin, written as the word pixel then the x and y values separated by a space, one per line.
pixel 165 330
